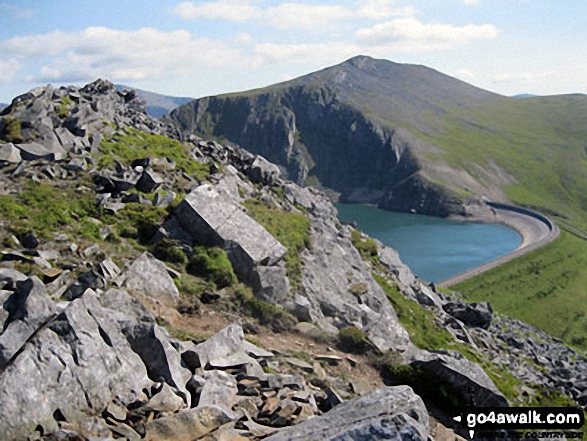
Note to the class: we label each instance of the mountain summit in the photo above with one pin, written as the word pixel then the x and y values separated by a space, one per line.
pixel 406 137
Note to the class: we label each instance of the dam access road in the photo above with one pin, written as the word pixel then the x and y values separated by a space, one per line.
pixel 536 230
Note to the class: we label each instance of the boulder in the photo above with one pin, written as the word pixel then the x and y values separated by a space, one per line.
pixel 70 369
pixel 34 150
pixel 124 306
pixel 227 343
pixel 475 315
pixel 219 389
pixel 28 309
pixel 149 276
pixel 9 153
pixel 166 400
pixel 149 181
pixel 466 378
pixel 263 172
pixel 388 413
pixel 213 221
pixel 162 360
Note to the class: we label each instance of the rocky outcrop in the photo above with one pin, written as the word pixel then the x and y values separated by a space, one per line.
pixel 390 413
pixel 150 277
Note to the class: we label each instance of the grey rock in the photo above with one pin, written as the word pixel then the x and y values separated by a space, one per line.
pixel 213 221
pixel 28 309
pixel 82 361
pixel 124 305
pixel 263 172
pixel 109 270
pixel 162 360
pixel 34 150
pixel 11 276
pixel 476 315
pixel 219 390
pixel 270 283
pixel 30 240
pixel 166 400
pixel 9 153
pixel 467 378
pixel 388 413
pixel 149 276
pixel 224 344
pixel 149 181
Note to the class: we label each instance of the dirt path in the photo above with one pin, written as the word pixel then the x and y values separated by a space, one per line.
pixel 536 231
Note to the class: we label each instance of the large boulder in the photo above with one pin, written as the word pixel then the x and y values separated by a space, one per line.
pixel 29 308
pixel 211 220
pixel 475 315
pixel 263 172
pixel 9 153
pixel 71 368
pixel 150 277
pixel 390 413
pixel 466 378
pixel 48 151
pixel 227 344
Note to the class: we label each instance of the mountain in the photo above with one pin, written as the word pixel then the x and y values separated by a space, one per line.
pixel 133 263
pixel 524 95
pixel 3 106
pixel 157 105
pixel 409 138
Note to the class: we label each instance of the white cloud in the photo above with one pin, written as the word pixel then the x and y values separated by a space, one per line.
pixel 422 36
pixel 9 69
pixel 470 2
pixel 311 54
pixel 16 11
pixel 97 52
pixel 305 16
pixel 380 9
pixel 243 38
pixel 229 10
pixel 523 77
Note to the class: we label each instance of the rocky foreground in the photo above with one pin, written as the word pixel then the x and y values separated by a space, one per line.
pixel 110 216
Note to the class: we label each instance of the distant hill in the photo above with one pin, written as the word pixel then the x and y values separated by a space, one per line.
pixel 3 106
pixel 409 138
pixel 157 105
pixel 524 95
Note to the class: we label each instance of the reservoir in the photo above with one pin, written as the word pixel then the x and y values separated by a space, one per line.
pixel 434 248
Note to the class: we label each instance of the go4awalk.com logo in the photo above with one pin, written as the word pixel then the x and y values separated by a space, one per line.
pixel 521 422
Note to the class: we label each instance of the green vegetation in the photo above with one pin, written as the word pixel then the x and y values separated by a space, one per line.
pixel 138 221
pixel 546 288
pixel 365 246
pixel 352 339
pixel 291 229
pixel 213 265
pixel 63 108
pixel 277 318
pixel 45 209
pixel 12 130
pixel 136 145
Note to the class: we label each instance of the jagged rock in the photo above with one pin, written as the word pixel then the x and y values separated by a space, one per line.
pixel 109 270
pixel 166 400
pixel 34 150
pixel 263 172
pixel 219 389
pixel 11 276
pixel 271 284
pixel 213 221
pixel 28 309
pixel 476 315
pixel 388 413
pixel 9 153
pixel 125 306
pixel 82 361
pixel 187 425
pixel 466 378
pixel 300 364
pixel 149 181
pixel 148 276
pixel 162 360
pixel 225 344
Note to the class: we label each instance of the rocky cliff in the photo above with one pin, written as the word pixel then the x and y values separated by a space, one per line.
pixel 134 263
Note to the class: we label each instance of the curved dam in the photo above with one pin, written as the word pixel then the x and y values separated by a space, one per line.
pixel 536 230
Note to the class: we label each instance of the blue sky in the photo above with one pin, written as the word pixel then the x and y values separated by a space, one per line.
pixel 198 48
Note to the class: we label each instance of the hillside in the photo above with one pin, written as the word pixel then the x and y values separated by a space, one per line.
pixel 156 104
pixel 164 289
pixel 409 138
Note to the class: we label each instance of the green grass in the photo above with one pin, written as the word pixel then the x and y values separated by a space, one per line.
pixel 291 229
pixel 274 316
pixel 546 288
pixel 12 130
pixel 136 145
pixel 63 107
pixel 212 265
pixel 46 209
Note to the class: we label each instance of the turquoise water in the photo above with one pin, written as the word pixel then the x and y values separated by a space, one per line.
pixel 434 248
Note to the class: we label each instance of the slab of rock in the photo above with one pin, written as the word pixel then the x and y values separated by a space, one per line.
pixel 81 359
pixel 226 343
pixel 263 172
pixel 187 425
pixel 29 308
pixel 149 181
pixel 166 400
pixel 124 306
pixel 34 150
pixel 9 153
pixel 467 378
pixel 475 315
pixel 213 221
pixel 388 413
pixel 219 389
pixel 149 276
pixel 161 359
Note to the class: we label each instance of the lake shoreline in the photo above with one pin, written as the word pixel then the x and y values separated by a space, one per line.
pixel 536 230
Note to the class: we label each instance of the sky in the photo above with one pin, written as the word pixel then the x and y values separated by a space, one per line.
pixel 200 48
